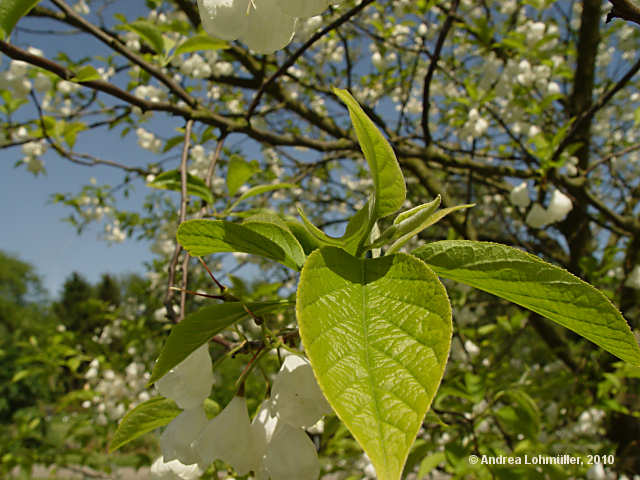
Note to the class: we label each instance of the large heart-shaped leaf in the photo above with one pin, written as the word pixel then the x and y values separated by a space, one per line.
pixel 377 333
pixel 532 283
pixel 197 328
pixel 388 181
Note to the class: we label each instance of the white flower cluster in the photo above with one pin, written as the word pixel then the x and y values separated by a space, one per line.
pixel 113 232
pixel 32 152
pixel 273 445
pixel 115 391
pixel 148 140
pixel 15 78
pixel 264 25
pixel 559 206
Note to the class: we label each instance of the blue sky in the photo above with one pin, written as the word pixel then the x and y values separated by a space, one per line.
pixel 32 226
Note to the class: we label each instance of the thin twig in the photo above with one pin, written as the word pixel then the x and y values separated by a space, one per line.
pixel 184 200
pixel 426 91
pixel 182 217
pixel 115 44
pixel 220 286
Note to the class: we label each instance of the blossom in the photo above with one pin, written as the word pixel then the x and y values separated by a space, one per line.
pixel 559 206
pixel 295 394
pixel 264 25
pixel 274 445
pixel 537 217
pixel 189 383
pixel 177 440
pixel 174 470
pixel 260 23
pixel 519 196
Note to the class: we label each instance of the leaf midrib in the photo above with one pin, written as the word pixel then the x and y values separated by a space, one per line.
pixel 374 392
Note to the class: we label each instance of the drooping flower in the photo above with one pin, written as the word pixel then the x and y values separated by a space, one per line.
pixel 274 445
pixel 189 383
pixel 538 217
pixel 295 394
pixel 229 437
pixel 174 470
pixel 176 442
pixel 519 196
pixel 559 206
pixel 264 25
pixel 260 24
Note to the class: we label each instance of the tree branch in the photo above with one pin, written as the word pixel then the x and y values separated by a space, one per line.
pixel 625 9
pixel 426 90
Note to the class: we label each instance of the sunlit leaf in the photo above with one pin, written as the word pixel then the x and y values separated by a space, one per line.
pixel 377 333
pixel 546 289
pixel 197 328
pixel 146 417
pixel 171 180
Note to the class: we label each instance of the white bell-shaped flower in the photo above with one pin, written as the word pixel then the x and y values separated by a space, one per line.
pixel 538 217
pixel 519 196
pixel 225 19
pixel 174 470
pixel 296 396
pixel 559 206
pixel 291 455
pixel 261 24
pixel 304 8
pixel 189 383
pixel 229 437
pixel 285 452
pixel 177 441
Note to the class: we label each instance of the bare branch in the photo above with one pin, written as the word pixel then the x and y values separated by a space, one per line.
pixel 426 102
pixel 115 43
pixel 625 9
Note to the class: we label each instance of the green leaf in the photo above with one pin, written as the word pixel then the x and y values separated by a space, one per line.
pixel 11 11
pixel 154 413
pixel 359 228
pixel 318 235
pixel 377 333
pixel 412 226
pixel 308 242
pixel 71 130
pixel 429 463
pixel 201 41
pixel 430 207
pixel 148 32
pixel 239 171
pixel 390 189
pixel 276 230
pixel 86 74
pixel 197 328
pixel 532 283
pixel 171 180
pixel 203 237
pixel 259 190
